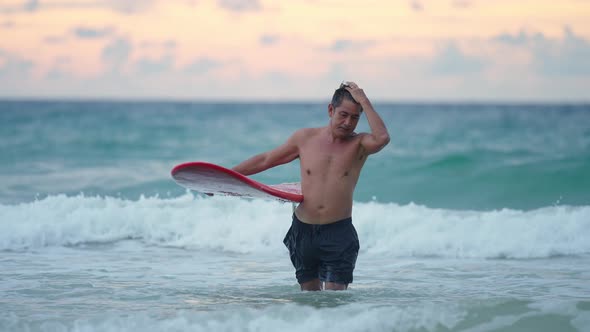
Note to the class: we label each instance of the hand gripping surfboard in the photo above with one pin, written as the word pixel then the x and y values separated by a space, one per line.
pixel 213 179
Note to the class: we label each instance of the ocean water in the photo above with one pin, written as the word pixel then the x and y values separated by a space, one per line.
pixel 476 217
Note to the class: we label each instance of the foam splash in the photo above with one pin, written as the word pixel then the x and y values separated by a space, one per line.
pixel 246 226
pixel 287 317
pixel 414 230
pixel 291 317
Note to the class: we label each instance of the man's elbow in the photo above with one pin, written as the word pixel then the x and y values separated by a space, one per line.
pixel 378 143
pixel 383 139
pixel 266 162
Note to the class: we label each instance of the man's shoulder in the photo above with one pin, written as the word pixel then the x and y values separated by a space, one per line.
pixel 356 135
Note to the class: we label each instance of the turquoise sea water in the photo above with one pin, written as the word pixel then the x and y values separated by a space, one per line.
pixel 476 217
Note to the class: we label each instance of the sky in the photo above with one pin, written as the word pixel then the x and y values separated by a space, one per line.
pixel 396 50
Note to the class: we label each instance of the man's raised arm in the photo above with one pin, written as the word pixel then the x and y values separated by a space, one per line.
pixel 379 136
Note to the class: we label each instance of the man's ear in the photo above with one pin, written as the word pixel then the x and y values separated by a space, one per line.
pixel 330 110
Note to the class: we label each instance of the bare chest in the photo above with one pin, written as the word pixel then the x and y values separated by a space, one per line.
pixel 323 158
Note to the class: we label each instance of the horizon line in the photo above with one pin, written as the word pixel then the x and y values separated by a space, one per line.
pixel 196 100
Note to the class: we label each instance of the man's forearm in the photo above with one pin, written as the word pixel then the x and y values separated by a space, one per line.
pixel 376 124
pixel 378 130
pixel 251 166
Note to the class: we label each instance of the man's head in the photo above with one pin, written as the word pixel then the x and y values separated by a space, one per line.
pixel 342 94
pixel 344 113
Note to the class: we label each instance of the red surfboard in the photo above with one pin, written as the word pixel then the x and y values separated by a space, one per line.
pixel 214 179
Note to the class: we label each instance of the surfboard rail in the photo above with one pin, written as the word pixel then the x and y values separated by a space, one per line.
pixel 214 179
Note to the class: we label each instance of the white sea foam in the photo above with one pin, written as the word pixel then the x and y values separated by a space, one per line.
pixel 413 230
pixel 287 317
pixel 238 225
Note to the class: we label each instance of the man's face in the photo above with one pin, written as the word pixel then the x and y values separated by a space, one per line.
pixel 344 118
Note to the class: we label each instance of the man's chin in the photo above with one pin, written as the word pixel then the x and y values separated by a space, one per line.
pixel 342 133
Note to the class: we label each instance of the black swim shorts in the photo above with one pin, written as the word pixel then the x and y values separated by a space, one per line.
pixel 327 252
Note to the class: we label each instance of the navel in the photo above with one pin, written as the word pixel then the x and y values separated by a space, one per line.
pixel 308 172
pixel 345 174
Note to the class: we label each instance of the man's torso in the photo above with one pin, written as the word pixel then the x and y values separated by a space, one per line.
pixel 329 173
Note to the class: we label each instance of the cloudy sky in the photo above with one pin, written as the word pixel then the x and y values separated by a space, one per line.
pixel 397 50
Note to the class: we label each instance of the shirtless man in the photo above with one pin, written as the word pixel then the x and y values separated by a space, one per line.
pixel 322 241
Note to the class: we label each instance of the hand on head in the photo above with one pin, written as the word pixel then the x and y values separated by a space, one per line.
pixel 357 93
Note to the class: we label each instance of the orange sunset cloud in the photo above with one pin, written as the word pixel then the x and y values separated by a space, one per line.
pixel 240 49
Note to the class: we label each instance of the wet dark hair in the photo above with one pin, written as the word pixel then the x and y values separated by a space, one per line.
pixel 341 94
